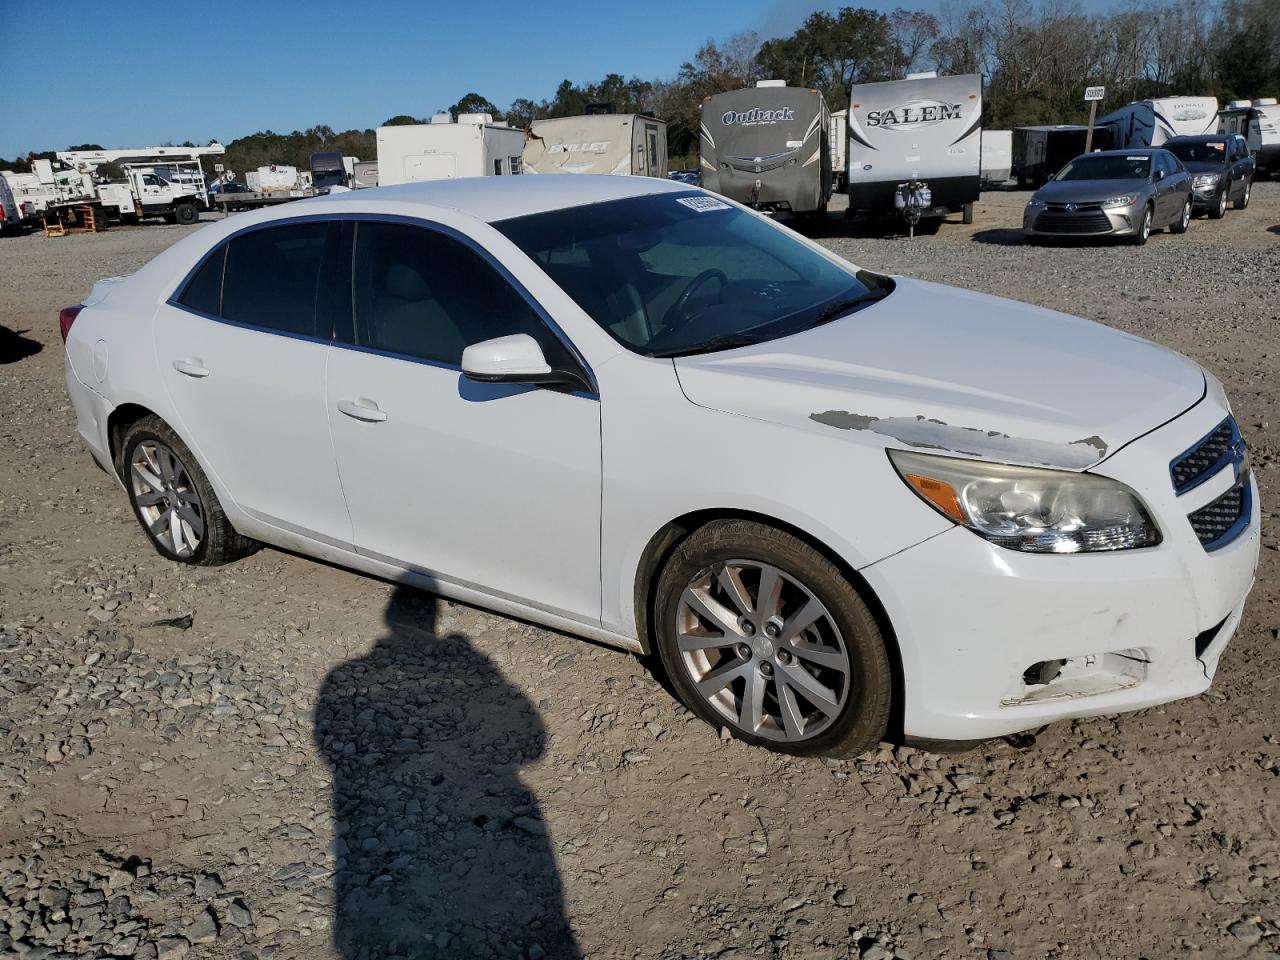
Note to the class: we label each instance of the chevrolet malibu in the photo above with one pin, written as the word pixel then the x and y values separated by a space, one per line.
pixel 833 503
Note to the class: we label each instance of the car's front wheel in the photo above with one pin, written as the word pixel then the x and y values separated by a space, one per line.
pixel 1219 208
pixel 173 501
pixel 1184 219
pixel 763 635
pixel 1144 228
pixel 1242 201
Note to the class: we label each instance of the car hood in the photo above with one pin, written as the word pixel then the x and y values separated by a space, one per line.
pixel 1202 166
pixel 1087 191
pixel 939 368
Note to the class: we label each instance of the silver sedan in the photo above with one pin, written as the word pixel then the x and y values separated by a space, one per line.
pixel 1123 193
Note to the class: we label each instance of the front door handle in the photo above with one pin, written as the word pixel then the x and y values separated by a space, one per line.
pixel 362 409
pixel 192 367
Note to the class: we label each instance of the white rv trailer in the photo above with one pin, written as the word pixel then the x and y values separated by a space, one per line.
pixel 1149 123
pixel 767 146
pixel 10 214
pixel 631 144
pixel 1258 121
pixel 927 129
pixel 997 156
pixel 473 146
pixel 839 140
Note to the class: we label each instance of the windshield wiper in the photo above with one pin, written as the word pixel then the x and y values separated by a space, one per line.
pixel 848 306
pixel 724 342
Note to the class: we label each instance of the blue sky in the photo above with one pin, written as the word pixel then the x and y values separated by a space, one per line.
pixel 151 73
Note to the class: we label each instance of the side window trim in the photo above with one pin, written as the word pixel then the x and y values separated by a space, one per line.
pixel 175 298
pixel 542 314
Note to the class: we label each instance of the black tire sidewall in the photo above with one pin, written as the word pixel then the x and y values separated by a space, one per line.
pixel 862 723
pixel 152 430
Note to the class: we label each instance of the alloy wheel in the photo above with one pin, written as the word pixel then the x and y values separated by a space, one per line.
pixel 762 650
pixel 166 498
pixel 1185 220
pixel 1222 203
pixel 1146 224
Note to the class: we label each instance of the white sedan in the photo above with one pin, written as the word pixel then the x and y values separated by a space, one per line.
pixel 835 504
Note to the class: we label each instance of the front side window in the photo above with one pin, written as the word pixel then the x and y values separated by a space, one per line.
pixel 422 294
pixel 669 273
pixel 1097 166
pixel 271 277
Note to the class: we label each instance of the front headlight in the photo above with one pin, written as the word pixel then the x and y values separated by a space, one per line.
pixel 1029 509
pixel 1205 180
pixel 1033 203
pixel 1127 200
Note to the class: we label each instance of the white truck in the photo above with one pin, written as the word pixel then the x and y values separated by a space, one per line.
pixel 1149 123
pixel 167 182
pixel 630 144
pixel 1258 121
pixel 471 146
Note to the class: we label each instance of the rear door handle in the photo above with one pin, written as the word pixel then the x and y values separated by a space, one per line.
pixel 193 367
pixel 362 409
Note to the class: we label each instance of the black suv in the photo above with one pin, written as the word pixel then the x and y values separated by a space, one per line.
pixel 1221 170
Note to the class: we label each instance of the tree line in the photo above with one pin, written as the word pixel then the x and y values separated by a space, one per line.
pixel 1036 57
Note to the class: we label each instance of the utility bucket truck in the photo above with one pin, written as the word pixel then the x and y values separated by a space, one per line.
pixel 163 182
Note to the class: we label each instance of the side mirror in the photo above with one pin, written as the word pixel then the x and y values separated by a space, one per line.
pixel 1159 175
pixel 516 358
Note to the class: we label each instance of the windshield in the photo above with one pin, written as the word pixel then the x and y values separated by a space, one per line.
pixel 1106 167
pixel 1205 151
pixel 679 273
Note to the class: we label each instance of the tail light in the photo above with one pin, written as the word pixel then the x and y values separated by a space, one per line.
pixel 66 317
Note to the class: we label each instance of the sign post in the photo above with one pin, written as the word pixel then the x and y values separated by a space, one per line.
pixel 1091 96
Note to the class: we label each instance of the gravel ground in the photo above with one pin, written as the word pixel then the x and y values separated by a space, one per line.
pixel 284 759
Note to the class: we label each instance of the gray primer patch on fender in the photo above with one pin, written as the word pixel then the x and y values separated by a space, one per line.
pixel 935 435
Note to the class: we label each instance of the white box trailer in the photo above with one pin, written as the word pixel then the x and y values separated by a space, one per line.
pixel 474 146
pixel 1258 121
pixel 1149 123
pixel 272 178
pixel 628 144
pixel 364 174
pixel 926 128
pixel 997 156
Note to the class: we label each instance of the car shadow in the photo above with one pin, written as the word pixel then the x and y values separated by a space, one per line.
pixel 14 346
pixel 835 226
pixel 1275 229
pixel 1001 237
pixel 440 849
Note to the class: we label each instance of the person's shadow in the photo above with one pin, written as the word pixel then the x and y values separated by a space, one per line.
pixel 14 346
pixel 440 850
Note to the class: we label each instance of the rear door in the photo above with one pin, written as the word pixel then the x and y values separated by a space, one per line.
pixel 242 349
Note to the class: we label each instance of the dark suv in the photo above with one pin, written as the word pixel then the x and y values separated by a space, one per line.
pixel 1221 170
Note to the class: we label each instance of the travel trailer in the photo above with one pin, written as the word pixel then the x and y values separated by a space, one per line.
pixel 1258 121
pixel 471 146
pixel 613 143
pixel 1040 152
pixel 10 213
pixel 768 146
pixel 839 139
pixel 925 130
pixel 997 156
pixel 1149 123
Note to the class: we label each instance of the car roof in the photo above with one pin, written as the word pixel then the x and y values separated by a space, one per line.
pixel 1200 137
pixel 501 198
pixel 1135 152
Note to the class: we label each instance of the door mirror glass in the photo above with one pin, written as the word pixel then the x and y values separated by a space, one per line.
pixel 1159 174
pixel 515 358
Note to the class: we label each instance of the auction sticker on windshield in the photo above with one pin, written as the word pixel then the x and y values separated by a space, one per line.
pixel 703 204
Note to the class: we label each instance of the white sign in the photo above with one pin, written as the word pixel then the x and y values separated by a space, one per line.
pixel 1094 93
pixel 217 168
pixel 703 204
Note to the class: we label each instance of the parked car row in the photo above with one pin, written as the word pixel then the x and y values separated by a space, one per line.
pixel 1131 193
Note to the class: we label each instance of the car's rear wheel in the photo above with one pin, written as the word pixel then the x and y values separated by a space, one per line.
pixel 1184 219
pixel 1242 201
pixel 173 501
pixel 763 635
pixel 1219 208
pixel 1144 228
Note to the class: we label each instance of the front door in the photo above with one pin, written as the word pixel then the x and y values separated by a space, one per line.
pixel 480 485
pixel 244 364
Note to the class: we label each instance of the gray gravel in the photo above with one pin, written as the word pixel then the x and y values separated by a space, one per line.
pixel 283 759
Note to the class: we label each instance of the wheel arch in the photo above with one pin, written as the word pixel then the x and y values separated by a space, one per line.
pixel 664 542
pixel 118 423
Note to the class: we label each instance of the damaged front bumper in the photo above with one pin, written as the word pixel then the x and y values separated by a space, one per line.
pixel 994 641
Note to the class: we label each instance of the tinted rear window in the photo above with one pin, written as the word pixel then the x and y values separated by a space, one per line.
pixel 204 291
pixel 271 277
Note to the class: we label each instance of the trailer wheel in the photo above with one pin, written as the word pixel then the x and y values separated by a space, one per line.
pixel 968 213
pixel 186 213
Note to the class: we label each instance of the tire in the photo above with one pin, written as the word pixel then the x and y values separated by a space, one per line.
pixel 967 216
pixel 163 478
pixel 186 214
pixel 1219 208
pixel 824 692
pixel 1243 200
pixel 1184 219
pixel 1144 229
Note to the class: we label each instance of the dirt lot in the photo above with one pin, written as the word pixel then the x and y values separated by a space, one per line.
pixel 283 759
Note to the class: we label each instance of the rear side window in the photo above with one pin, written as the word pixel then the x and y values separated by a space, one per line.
pixel 420 293
pixel 271 277
pixel 204 292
